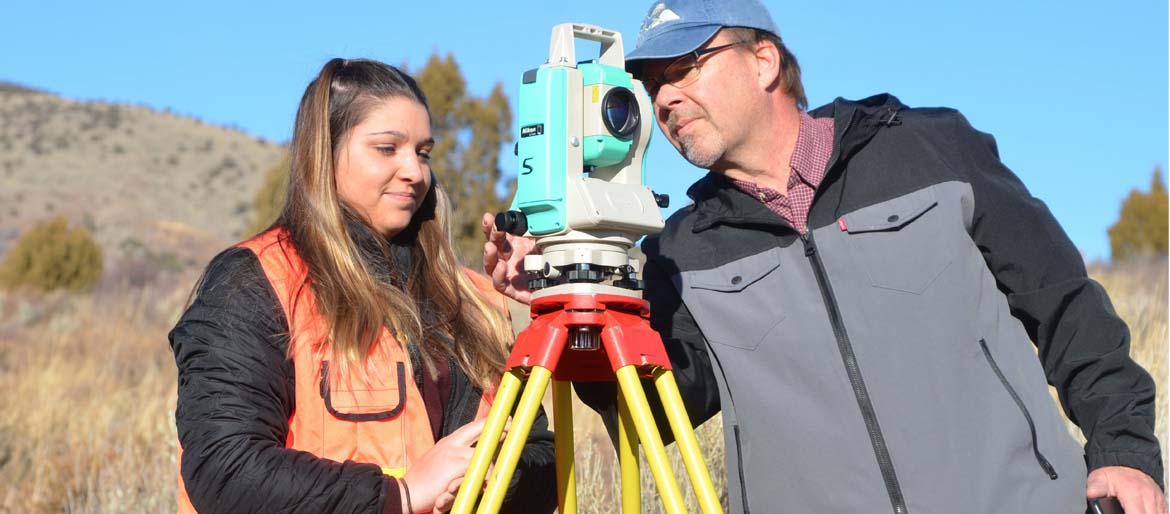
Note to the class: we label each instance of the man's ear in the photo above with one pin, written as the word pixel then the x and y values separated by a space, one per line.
pixel 768 64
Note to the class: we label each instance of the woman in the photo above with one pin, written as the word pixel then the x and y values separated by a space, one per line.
pixel 342 360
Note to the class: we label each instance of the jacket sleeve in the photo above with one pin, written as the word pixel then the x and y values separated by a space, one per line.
pixel 685 347
pixel 1083 345
pixel 236 393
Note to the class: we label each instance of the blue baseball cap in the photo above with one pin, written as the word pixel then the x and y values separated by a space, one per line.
pixel 674 27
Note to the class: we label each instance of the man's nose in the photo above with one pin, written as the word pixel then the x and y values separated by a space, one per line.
pixel 667 100
pixel 668 96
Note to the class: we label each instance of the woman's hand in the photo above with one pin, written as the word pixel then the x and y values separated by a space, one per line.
pixel 447 500
pixel 430 479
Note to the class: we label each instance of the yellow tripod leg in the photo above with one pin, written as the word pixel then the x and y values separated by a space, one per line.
pixel 489 439
pixel 514 442
pixel 688 445
pixel 631 387
pixel 628 459
pixel 563 435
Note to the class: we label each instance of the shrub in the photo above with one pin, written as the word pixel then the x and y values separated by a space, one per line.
pixel 1141 228
pixel 269 198
pixel 52 256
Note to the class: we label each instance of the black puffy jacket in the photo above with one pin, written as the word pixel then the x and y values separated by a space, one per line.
pixel 237 392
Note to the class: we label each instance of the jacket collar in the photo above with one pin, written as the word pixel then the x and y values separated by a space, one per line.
pixel 717 200
pixel 855 123
pixel 389 260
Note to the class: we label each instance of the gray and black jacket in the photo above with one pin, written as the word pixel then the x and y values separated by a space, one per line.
pixel 883 361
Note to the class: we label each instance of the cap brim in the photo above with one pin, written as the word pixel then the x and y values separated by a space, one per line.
pixel 671 43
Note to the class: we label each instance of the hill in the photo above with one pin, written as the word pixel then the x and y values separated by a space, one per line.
pixel 159 190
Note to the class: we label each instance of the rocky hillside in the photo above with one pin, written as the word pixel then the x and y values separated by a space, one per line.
pixel 157 189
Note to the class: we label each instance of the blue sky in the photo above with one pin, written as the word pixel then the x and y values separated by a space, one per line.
pixel 1075 92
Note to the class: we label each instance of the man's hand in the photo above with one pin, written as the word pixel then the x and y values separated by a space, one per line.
pixel 1136 491
pixel 503 260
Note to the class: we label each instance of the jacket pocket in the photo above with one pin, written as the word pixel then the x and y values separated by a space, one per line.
pixel 352 400
pixel 901 241
pixel 736 304
pixel 1044 464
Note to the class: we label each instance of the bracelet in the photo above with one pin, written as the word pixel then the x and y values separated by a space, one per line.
pixel 406 494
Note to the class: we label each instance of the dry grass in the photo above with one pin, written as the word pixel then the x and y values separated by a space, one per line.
pixel 88 386
pixel 598 489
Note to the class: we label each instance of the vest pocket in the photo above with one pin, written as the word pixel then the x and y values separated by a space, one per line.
pixel 356 401
pixel 1044 464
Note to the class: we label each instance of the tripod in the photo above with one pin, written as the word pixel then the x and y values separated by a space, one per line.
pixel 608 337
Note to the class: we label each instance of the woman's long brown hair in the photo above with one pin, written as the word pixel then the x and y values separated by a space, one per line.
pixel 354 303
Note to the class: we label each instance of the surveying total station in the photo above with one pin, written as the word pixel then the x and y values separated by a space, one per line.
pixel 580 194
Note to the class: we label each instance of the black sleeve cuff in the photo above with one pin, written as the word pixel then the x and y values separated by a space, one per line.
pixel 391 496
pixel 1150 464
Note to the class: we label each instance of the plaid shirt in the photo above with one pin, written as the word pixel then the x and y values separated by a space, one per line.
pixel 814 146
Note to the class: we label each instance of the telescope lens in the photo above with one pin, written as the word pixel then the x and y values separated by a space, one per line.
pixel 617 111
pixel 620 112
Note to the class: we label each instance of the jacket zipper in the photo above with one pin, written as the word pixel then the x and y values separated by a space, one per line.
pixel 885 463
pixel 1044 464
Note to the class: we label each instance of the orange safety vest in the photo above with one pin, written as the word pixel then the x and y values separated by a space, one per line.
pixel 345 418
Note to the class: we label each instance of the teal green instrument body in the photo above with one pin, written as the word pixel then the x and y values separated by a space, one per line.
pixel 603 149
pixel 544 150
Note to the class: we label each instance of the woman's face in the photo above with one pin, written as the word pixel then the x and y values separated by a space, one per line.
pixel 383 166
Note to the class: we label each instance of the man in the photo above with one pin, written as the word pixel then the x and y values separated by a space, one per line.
pixel 855 288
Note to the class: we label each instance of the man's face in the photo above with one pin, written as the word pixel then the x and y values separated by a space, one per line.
pixel 705 119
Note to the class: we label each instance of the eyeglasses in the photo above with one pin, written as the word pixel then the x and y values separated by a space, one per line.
pixel 683 71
